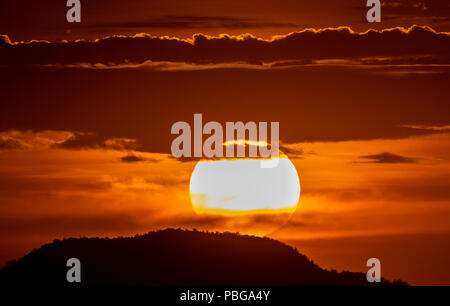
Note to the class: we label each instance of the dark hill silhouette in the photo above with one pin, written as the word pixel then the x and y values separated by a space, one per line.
pixel 175 257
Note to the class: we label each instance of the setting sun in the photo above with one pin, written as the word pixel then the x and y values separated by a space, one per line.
pixel 241 186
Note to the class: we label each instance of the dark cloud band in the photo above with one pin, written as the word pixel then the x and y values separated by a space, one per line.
pixel 331 43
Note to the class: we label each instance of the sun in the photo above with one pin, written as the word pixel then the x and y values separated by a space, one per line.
pixel 240 186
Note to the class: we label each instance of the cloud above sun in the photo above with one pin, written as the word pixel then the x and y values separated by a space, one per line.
pixel 416 45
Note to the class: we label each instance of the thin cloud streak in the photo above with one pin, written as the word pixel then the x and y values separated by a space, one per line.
pixel 196 22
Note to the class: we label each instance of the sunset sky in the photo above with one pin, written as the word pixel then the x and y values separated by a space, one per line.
pixel 364 112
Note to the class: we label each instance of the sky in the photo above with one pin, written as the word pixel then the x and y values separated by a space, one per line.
pixel 45 19
pixel 363 111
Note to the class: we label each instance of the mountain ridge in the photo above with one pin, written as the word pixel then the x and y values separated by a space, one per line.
pixel 177 257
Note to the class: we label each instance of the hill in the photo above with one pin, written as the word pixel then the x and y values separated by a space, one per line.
pixel 176 257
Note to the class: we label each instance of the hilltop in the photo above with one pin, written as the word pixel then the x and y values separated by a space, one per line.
pixel 176 257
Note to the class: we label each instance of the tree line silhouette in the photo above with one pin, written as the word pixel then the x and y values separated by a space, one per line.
pixel 176 257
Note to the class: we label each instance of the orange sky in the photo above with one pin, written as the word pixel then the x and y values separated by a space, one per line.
pixel 53 193
pixel 364 117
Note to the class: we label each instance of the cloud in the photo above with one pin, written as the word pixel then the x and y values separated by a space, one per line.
pixel 93 141
pixel 9 144
pixel 177 66
pixel 5 41
pixel 291 151
pixel 416 8
pixel 439 20
pixel 132 159
pixel 404 10
pixel 54 139
pixel 310 44
pixel 388 158
pixel 29 140
pixel 443 128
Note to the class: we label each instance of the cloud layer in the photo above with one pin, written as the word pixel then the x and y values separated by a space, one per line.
pixel 388 158
pixel 417 44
